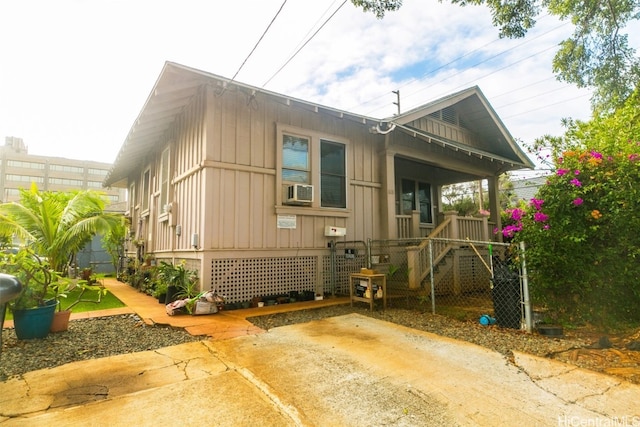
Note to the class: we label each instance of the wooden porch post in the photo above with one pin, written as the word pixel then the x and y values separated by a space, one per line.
pixel 494 204
pixel 454 223
pixel 388 196
pixel 415 224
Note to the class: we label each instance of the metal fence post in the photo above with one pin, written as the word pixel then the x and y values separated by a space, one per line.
pixel 528 318
pixel 432 279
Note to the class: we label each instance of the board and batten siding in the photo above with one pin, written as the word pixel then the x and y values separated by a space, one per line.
pixel 240 176
pixel 185 143
pixel 446 130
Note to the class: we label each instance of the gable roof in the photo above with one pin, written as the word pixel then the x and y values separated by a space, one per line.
pixel 178 84
pixel 478 115
pixel 171 93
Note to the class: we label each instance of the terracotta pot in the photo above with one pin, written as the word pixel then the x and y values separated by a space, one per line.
pixel 60 321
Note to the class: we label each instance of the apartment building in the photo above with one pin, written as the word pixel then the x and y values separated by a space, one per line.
pixel 18 169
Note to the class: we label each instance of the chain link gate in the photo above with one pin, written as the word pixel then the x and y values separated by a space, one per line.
pixel 462 279
pixel 469 279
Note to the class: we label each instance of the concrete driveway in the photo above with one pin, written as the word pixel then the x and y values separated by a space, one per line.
pixel 344 371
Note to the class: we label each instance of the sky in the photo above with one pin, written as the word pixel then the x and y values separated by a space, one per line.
pixel 75 74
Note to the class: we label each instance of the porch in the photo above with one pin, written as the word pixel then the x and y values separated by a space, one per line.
pixel 451 226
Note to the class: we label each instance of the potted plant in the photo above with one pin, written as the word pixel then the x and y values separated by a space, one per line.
pixel 34 308
pixel 181 283
pixel 53 226
pixel 160 291
pixel 78 288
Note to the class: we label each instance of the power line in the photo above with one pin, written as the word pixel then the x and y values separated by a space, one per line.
pixel 304 44
pixel 546 106
pixel 497 55
pixel 510 92
pixel 259 40
pixel 464 70
pixel 533 96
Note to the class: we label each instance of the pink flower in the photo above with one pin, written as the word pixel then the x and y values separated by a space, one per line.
pixel 576 182
pixel 577 172
pixel 537 203
pixel 540 217
pixel 516 214
pixel 596 155
pixel 561 172
pixel 578 201
pixel 510 230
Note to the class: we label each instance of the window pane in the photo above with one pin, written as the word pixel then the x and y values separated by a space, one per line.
pixel 295 152
pixel 332 158
pixel 408 202
pixel 333 191
pixel 145 190
pixel 424 198
pixel 164 185
pixel 295 176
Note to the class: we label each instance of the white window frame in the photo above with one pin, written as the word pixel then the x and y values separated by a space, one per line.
pixel 165 174
pixel 145 193
pixel 314 139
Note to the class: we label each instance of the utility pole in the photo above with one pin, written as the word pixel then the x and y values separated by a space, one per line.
pixel 397 92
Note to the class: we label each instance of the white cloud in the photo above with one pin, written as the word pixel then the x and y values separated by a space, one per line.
pixel 74 75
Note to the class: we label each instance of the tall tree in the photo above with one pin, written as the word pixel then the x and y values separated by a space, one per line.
pixel 597 55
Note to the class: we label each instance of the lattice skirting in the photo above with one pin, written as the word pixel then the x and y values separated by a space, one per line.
pixel 241 279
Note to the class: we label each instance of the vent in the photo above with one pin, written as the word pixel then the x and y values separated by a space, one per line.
pixel 300 194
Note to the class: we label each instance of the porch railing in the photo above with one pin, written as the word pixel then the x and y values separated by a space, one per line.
pixel 453 227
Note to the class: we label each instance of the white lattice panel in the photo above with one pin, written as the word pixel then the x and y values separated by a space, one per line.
pixel 242 279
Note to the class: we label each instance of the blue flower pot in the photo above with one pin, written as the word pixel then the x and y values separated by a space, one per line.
pixel 34 323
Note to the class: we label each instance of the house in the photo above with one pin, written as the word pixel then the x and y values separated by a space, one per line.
pixel 254 188
pixel 526 189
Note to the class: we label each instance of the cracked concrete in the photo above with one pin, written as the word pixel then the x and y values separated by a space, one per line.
pixel 347 371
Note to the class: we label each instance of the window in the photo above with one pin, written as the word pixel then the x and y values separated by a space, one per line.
pixel 144 197
pixel 65 181
pixel 66 168
pixel 24 178
pixel 132 198
pixel 315 159
pixel 164 179
pixel 295 159
pixel 332 175
pixel 424 201
pixel 27 165
pixel 99 172
pixel 414 194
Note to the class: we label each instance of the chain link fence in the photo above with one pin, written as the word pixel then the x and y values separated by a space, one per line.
pixel 466 280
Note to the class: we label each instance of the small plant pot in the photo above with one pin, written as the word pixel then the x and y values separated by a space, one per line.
pixel 60 321
pixel 260 303
pixel 172 291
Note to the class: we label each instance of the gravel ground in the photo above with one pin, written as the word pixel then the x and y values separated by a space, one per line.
pixel 85 339
pixel 107 336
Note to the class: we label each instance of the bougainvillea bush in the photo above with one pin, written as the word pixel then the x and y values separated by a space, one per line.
pixel 582 230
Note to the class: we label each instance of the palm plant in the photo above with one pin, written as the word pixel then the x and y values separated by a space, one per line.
pixel 52 227
pixel 56 225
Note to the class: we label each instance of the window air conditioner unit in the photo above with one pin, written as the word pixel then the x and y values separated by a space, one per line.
pixel 300 194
